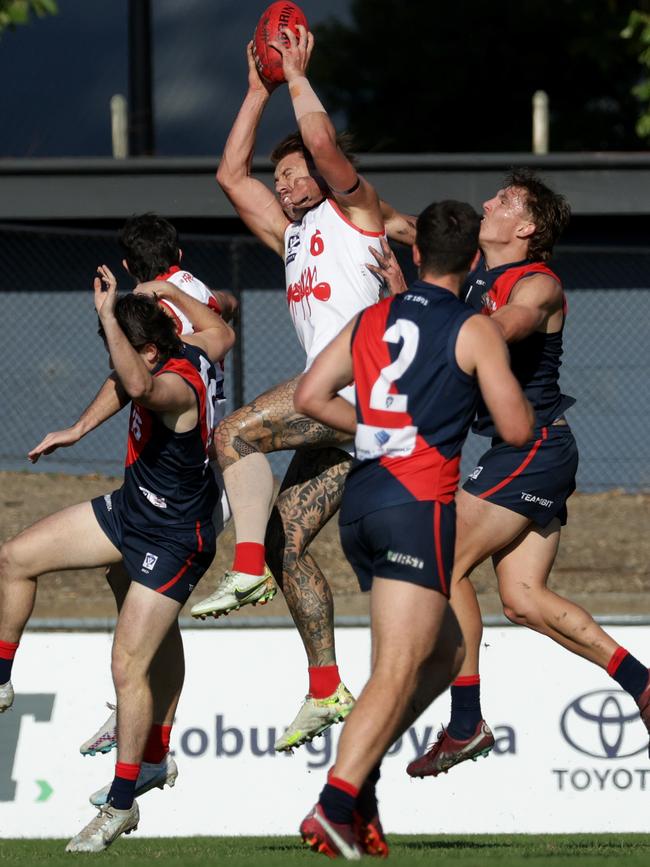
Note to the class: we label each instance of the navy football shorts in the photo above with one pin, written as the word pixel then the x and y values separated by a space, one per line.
pixel 170 560
pixel 535 480
pixel 411 542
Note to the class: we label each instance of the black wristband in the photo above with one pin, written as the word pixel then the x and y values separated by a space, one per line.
pixel 352 189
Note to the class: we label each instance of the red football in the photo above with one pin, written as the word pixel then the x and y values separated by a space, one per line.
pixel 269 29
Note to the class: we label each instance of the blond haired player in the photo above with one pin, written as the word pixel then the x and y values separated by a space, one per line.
pixel 321 220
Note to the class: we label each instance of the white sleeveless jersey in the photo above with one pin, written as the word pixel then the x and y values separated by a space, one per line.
pixel 194 287
pixel 327 279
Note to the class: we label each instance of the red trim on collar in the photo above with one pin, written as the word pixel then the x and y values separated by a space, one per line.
pixel 173 270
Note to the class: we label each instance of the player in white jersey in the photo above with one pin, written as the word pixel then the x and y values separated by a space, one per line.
pixel 321 220
pixel 152 257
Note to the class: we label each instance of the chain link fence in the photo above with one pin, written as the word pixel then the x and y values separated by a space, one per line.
pixel 53 362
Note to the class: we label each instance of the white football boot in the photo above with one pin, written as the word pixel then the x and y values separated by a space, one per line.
pixel 150 777
pixel 237 589
pixel 314 717
pixel 6 696
pixel 106 827
pixel 105 738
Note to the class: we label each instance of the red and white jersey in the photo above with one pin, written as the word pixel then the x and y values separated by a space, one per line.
pixel 328 283
pixel 194 287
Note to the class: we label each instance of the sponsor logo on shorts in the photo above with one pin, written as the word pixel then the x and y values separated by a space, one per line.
pixel 541 501
pixel 109 502
pixel 476 472
pixel 382 437
pixel 405 559
pixel 154 499
pixel 149 562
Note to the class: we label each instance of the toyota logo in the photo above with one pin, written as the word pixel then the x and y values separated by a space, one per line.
pixel 604 724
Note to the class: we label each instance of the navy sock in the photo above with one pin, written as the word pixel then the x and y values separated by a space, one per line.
pixel 465 707
pixel 338 804
pixel 7 652
pixel 5 669
pixel 367 805
pixel 628 672
pixel 122 792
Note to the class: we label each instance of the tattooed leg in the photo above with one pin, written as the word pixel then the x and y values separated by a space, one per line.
pixel 310 494
pixel 268 424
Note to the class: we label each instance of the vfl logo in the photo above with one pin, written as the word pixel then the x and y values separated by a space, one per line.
pixel 109 502
pixel 476 472
pixel 149 562
pixel 604 724
pixel 293 242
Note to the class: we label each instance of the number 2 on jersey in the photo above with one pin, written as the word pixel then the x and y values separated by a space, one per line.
pixel 380 397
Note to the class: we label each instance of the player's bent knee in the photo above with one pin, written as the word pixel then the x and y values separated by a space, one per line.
pixel 12 566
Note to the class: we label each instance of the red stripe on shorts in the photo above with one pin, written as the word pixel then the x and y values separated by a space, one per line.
pixel 522 466
pixel 186 565
pixel 438 543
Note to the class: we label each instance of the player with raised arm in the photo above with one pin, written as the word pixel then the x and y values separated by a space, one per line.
pixel 321 220
pixel 152 257
pixel 513 504
pixel 159 523
pixel 418 361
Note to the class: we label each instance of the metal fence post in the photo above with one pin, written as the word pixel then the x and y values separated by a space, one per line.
pixel 238 349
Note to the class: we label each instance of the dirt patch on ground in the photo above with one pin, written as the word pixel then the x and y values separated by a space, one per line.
pixel 604 559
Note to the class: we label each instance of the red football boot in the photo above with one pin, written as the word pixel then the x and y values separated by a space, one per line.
pixel 329 838
pixel 447 752
pixel 370 835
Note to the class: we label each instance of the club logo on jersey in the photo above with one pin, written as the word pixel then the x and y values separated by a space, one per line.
pixel 149 562
pixel 293 242
pixel 488 303
pixel 476 472
pixel 308 285
pixel 109 502
pixel 154 499
pixel 317 244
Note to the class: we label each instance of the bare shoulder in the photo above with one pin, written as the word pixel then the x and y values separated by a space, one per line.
pixel 538 290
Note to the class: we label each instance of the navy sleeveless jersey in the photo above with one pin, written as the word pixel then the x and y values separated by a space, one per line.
pixel 536 360
pixel 167 480
pixel 414 404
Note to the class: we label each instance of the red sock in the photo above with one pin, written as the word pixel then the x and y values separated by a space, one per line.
pixel 616 659
pixel 7 652
pixel 343 785
pixel 323 680
pixel 249 558
pixel 157 745
pixel 468 680
pixel 127 772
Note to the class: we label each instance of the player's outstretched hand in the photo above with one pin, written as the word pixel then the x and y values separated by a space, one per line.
pixel 105 287
pixel 53 441
pixel 295 53
pixel 255 81
pixel 387 268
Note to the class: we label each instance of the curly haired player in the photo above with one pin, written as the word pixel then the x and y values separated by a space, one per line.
pixel 320 220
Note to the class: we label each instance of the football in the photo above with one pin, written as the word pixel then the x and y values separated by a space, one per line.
pixel 269 29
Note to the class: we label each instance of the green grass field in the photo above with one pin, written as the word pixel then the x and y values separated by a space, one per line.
pixel 582 850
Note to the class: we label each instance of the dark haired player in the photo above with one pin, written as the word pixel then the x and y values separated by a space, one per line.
pixel 418 361
pixel 321 220
pixel 513 504
pixel 152 256
pixel 159 523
